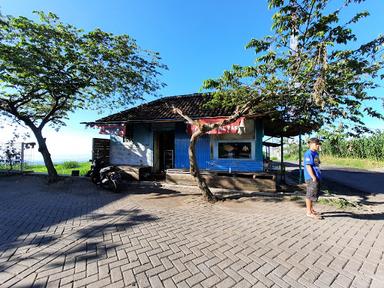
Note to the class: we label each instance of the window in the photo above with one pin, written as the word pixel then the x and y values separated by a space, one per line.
pixel 239 150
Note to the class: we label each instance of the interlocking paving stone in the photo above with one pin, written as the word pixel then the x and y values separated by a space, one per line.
pixel 72 234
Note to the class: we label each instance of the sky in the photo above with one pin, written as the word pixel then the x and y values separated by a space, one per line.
pixel 197 40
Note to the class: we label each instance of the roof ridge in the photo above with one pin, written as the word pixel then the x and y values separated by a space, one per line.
pixel 185 100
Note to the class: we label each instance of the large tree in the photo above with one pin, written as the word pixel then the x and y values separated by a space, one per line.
pixel 311 71
pixel 49 69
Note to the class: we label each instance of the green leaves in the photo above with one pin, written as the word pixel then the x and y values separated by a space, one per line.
pixel 259 45
pixel 49 68
pixel 303 70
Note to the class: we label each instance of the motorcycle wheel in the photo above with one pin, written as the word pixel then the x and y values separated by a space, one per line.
pixel 94 179
pixel 115 186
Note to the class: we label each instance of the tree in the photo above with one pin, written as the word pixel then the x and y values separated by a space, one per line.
pixel 200 131
pixel 49 69
pixel 309 72
pixel 10 154
pixel 308 69
pixel 10 150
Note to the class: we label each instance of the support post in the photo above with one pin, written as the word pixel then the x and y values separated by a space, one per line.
pixel 22 157
pixel 300 167
pixel 282 180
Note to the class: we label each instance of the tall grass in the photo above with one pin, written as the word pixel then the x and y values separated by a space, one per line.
pixel 369 147
pixel 365 152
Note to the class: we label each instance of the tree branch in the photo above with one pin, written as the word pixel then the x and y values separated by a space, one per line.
pixel 187 118
pixel 56 107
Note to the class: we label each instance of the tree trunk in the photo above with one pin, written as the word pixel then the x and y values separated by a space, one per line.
pixel 194 168
pixel 43 149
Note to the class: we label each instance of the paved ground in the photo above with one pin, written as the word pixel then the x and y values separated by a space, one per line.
pixel 71 234
pixel 367 181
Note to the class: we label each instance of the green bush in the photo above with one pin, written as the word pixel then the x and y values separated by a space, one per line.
pixel 337 202
pixel 339 145
pixel 366 147
pixel 71 164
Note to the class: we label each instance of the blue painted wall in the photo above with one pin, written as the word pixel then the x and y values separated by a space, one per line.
pixel 204 155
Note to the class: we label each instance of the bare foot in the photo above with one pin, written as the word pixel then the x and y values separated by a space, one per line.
pixel 315 212
pixel 314 216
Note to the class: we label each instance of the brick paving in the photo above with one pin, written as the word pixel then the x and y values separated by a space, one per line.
pixel 72 234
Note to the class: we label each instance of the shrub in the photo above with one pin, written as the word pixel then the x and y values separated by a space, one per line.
pixel 71 164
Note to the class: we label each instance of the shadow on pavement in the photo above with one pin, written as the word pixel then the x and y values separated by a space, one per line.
pixel 364 216
pixel 348 184
pixel 34 214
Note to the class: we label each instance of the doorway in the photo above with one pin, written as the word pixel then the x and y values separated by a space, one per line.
pixel 164 144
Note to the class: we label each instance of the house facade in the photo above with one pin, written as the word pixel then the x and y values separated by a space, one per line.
pixel 151 135
pixel 165 145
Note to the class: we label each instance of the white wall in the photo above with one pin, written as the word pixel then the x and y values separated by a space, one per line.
pixel 138 151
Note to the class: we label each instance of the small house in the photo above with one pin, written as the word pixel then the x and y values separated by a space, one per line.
pixel 151 138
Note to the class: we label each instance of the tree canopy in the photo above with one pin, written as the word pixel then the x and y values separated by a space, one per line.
pixel 49 69
pixel 312 69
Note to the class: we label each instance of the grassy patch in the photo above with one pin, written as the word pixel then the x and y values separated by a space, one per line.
pixel 337 202
pixel 63 168
pixel 8 167
pixel 71 164
pixel 351 162
pixel 345 162
pixel 295 198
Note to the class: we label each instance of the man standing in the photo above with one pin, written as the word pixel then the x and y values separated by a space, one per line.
pixel 312 176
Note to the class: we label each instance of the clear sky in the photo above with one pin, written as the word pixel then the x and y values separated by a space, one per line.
pixel 197 40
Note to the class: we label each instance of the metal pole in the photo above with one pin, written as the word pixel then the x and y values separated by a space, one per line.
pixel 22 157
pixel 300 167
pixel 281 161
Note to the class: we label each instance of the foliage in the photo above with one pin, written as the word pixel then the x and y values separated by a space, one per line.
pixel 351 162
pixel 341 203
pixel 10 154
pixel 370 146
pixel 71 164
pixel 291 150
pixel 307 72
pixel 49 69
pixel 10 151
pixel 295 198
pixel 365 152
pixel 83 167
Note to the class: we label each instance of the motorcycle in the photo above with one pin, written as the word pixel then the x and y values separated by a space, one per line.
pixel 105 176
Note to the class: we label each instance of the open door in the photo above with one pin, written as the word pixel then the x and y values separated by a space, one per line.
pixel 164 149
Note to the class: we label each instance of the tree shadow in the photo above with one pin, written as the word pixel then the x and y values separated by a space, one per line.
pixel 95 248
pixel 250 196
pixel 88 243
pixel 360 216
pixel 34 214
pixel 347 181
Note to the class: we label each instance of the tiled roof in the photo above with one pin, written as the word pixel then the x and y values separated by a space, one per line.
pixel 192 105
pixel 161 109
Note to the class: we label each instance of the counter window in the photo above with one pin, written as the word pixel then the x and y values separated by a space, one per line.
pixel 235 150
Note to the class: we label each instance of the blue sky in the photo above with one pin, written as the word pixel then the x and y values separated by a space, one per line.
pixel 196 39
